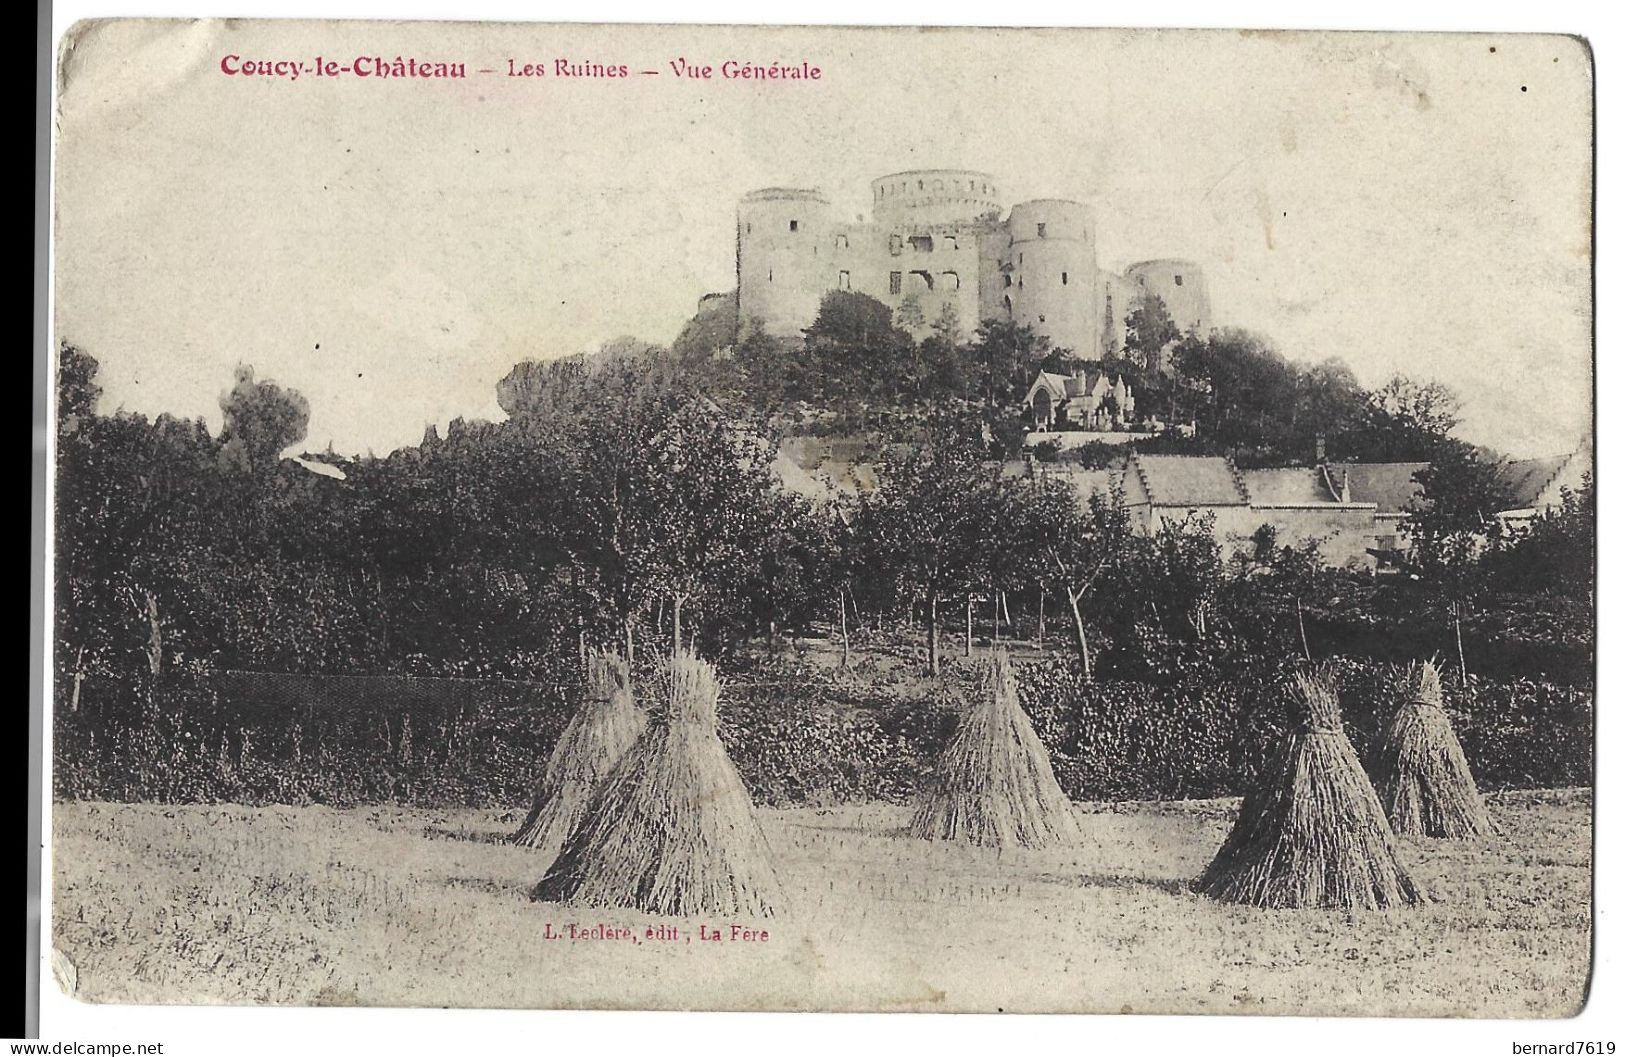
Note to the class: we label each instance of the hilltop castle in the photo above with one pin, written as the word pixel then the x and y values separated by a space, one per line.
pixel 941 237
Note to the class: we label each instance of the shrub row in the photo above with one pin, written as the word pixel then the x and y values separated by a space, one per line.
pixel 798 737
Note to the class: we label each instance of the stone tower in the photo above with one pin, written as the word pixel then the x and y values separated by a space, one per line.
pixel 784 259
pixel 1047 278
pixel 1181 286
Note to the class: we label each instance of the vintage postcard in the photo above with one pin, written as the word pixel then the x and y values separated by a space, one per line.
pixel 742 518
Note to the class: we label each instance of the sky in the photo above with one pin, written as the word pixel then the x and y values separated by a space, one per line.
pixel 390 248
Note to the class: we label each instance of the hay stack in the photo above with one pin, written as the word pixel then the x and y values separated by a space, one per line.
pixel 994 784
pixel 672 831
pixel 587 751
pixel 1313 834
pixel 1427 788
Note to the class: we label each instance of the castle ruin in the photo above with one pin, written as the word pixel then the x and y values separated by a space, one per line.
pixel 941 238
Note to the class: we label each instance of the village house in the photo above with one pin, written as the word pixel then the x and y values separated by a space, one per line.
pixel 1087 399
pixel 1537 484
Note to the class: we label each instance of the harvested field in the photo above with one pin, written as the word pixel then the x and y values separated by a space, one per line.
pixel 389 906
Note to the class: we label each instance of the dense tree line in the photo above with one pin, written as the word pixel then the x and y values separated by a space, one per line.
pixel 628 501
pixel 876 369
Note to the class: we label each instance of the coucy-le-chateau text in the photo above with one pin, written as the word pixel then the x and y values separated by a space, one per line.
pixel 402 67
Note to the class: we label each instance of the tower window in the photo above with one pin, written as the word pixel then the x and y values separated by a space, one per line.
pixel 950 280
pixel 840 242
pixel 794 224
pixel 896 245
pixel 920 243
pixel 1041 228
pixel 844 281
pixel 950 242
pixel 770 275
pixel 1006 280
pixel 747 228
pixel 896 285
pixel 921 184
pixel 1179 280
pixel 1063 278
pixel 924 278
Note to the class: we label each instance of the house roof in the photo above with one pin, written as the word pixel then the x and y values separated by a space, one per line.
pixel 1069 386
pixel 1083 480
pixel 1189 480
pixel 1287 486
pixel 1390 485
pixel 1526 479
pixel 1055 383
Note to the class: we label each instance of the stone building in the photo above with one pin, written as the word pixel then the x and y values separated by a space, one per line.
pixel 942 238
pixel 1301 503
pixel 1087 399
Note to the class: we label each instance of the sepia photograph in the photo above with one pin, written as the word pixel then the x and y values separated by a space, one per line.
pixel 843 519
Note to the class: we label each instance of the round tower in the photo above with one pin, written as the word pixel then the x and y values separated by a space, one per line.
pixel 1182 287
pixel 782 263
pixel 1048 279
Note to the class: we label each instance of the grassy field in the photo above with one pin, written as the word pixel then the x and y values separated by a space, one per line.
pixel 386 906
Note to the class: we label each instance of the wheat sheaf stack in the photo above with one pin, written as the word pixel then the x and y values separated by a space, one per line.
pixel 994 784
pixel 1313 833
pixel 1427 788
pixel 672 831
pixel 598 735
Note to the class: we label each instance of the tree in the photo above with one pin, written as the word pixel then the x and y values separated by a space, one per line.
pixel 1556 553
pixel 947 325
pixel 1405 421
pixel 657 503
pixel 1147 331
pixel 910 316
pixel 930 527
pixel 262 420
pixel 1003 359
pixel 1454 526
pixel 1328 405
pixel 856 354
pixel 76 389
pixel 1185 566
pixel 1078 548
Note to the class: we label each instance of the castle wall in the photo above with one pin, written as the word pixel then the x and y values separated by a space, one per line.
pixel 921 199
pixel 928 228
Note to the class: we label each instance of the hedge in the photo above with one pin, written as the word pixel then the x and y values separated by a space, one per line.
pixel 798 736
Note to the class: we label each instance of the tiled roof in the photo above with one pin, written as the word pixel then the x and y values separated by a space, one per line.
pixel 1287 486
pixel 1390 485
pixel 1527 478
pixel 1190 480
